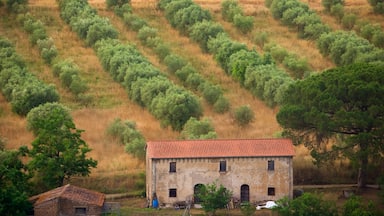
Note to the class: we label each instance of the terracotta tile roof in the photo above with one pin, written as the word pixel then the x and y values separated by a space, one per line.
pixel 220 148
pixel 72 193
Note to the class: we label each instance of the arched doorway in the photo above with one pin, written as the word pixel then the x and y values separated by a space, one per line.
pixel 244 193
pixel 196 190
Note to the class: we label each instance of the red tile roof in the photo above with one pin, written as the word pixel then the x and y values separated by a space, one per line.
pixel 220 148
pixel 72 193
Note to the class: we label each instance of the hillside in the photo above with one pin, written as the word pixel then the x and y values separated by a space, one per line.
pixel 110 99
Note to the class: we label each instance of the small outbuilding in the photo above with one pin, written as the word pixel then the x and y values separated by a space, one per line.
pixel 68 200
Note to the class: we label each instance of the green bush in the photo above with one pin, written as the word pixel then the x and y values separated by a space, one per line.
pixel 134 22
pixel 327 4
pixel 47 49
pixel 183 73
pixel 146 33
pixel 162 50
pixel 377 5
pixel 243 23
pixel 194 80
pixel 337 11
pixel 243 115
pixel 221 105
pixel 113 3
pixel 174 62
pixel 211 93
pixel 187 17
pixel 297 66
pixel 230 8
pixel 260 39
pixel 203 31
pixel 195 129
pixel 306 205
pixel 348 21
pixel 355 206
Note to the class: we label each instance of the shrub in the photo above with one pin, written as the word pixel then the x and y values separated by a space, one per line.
pixel 112 3
pixel 260 39
pixel 195 129
pixel 243 115
pixel 243 23
pixel 174 62
pixel 77 85
pixel 348 21
pixel 146 33
pixel 194 80
pixel 355 206
pixel 162 50
pixel 221 105
pixel 297 66
pixel 201 32
pixel 327 4
pixel 377 5
pixel 247 209
pixel 134 22
pixel 337 11
pixel 307 205
pixel 47 49
pixel 230 8
pixel 183 73
pixel 187 17
pixel 211 93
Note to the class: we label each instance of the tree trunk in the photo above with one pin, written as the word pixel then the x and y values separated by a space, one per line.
pixel 362 177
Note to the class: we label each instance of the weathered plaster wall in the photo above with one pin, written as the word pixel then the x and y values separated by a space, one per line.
pixel 250 171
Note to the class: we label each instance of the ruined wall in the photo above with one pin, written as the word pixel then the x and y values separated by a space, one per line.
pixel 239 171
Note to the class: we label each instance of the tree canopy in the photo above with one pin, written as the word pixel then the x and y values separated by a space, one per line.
pixel 58 152
pixel 342 107
pixel 14 184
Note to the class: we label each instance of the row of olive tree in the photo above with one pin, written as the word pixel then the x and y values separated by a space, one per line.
pixel 343 47
pixel 145 84
pixel 128 135
pixel 38 36
pixel 364 28
pixel 232 12
pixel 19 86
pixel 177 65
pixel 66 70
pixel 232 56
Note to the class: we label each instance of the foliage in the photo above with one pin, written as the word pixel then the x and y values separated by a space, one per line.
pixel 118 3
pixel 203 31
pixel 355 206
pixel 230 8
pixel 174 62
pixel 221 105
pixel 261 38
pixel 20 87
pixel 307 204
pixel 16 6
pixel 377 5
pixel 69 73
pixel 243 115
pixel 14 186
pixel 343 104
pixel 211 92
pixel 327 4
pixel 129 136
pixel 133 21
pixel 195 129
pixel 240 61
pixel 187 17
pixel 346 48
pixel 58 152
pixel 348 21
pixel 213 197
pixel 243 23
pixel 247 209
pixel 175 107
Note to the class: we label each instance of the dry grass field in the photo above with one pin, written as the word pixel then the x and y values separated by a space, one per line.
pixel 111 101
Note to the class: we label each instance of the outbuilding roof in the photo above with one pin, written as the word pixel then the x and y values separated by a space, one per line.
pixel 219 148
pixel 71 192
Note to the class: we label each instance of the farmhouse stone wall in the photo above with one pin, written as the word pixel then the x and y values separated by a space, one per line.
pixel 65 207
pixel 250 171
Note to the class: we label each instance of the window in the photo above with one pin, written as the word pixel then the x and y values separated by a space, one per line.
pixel 223 166
pixel 80 210
pixel 172 192
pixel 271 165
pixel 271 191
pixel 172 167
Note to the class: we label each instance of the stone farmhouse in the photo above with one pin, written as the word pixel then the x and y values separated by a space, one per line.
pixel 68 200
pixel 253 169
